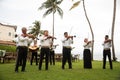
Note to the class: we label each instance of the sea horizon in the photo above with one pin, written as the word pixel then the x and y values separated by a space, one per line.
pixel 98 56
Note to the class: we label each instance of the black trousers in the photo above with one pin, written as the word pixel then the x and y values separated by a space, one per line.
pixel 66 57
pixel 22 55
pixel 17 49
pixel 34 54
pixel 105 54
pixel 87 59
pixel 44 54
pixel 52 57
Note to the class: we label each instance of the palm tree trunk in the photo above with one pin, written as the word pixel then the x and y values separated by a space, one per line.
pixel 53 24
pixel 90 29
pixel 112 33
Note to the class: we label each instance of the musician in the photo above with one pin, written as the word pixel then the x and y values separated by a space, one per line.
pixel 16 41
pixel 45 41
pixel 52 54
pixel 34 50
pixel 87 54
pixel 66 42
pixel 23 40
pixel 106 51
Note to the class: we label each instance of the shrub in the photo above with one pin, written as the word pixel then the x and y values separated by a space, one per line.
pixel 8 48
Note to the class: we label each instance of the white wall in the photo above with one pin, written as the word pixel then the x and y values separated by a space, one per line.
pixel 6 33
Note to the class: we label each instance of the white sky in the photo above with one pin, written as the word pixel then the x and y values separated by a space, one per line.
pixel 25 12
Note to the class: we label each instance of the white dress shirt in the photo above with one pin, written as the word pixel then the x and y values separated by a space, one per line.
pixel 106 45
pixel 16 41
pixel 87 46
pixel 67 42
pixel 44 41
pixel 24 41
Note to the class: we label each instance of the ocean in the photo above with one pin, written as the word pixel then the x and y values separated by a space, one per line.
pixel 99 56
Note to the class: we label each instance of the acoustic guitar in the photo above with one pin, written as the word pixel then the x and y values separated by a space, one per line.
pixel 33 48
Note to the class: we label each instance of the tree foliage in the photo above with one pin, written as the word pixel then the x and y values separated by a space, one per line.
pixel 35 29
pixel 51 6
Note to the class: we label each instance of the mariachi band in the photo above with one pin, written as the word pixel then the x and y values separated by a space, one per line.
pixel 47 50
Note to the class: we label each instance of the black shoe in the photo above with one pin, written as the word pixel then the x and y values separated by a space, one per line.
pixel 70 68
pixel 20 64
pixel 63 68
pixel 16 71
pixel 39 68
pixel 23 71
pixel 46 69
pixel 103 68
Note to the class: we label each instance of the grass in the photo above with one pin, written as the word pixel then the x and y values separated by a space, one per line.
pixel 56 73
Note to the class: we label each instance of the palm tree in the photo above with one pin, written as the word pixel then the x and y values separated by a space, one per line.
pixel 112 33
pixel 35 29
pixel 75 5
pixel 51 6
pixel 90 27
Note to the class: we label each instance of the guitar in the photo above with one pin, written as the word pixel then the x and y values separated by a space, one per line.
pixel 33 48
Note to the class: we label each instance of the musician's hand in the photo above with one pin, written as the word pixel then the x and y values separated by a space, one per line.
pixel 31 36
pixel 24 35
pixel 47 38
pixel 51 37
pixel 72 37
pixel 69 37
pixel 109 40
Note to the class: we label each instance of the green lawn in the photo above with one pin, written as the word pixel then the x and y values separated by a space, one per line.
pixel 56 73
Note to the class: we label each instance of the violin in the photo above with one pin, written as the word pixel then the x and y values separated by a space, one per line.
pixel 70 37
pixel 109 40
pixel 28 35
pixel 52 37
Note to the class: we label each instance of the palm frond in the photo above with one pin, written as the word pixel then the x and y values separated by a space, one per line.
pixel 60 11
pixel 41 7
pixel 51 6
pixel 45 5
pixel 75 5
pixel 59 2
pixel 48 12
pixel 41 32
pixel 35 29
pixel 53 1
pixel 48 5
pixel 32 31
pixel 37 24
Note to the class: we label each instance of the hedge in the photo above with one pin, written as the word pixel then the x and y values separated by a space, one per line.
pixel 8 48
